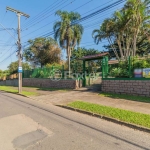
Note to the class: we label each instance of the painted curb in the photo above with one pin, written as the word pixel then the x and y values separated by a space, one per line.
pixel 133 126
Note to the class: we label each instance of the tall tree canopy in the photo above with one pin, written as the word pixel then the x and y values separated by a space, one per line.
pixel 42 51
pixel 68 31
pixel 127 29
pixel 13 67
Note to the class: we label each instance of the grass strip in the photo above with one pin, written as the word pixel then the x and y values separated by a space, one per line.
pixel 12 90
pixel 127 97
pixel 119 114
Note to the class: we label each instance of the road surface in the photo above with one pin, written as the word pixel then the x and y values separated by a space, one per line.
pixel 31 125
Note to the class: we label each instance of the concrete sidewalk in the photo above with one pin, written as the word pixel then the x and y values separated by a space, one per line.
pixel 57 97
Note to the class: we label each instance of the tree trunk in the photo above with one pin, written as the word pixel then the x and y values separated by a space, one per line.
pixel 68 52
pixel 134 46
pixel 120 49
pixel 109 40
pixel 135 41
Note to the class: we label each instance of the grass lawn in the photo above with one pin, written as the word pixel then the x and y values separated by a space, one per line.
pixel 119 114
pixel 127 97
pixel 13 90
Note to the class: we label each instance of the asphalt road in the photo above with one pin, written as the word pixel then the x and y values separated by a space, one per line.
pixel 27 124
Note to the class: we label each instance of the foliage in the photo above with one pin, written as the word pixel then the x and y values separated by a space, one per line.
pixel 1 73
pixel 55 65
pixel 13 67
pixel 119 72
pixel 122 69
pixel 68 31
pixel 143 47
pixel 142 63
pixel 81 52
pixel 40 73
pixel 119 114
pixel 42 51
pixel 127 29
pixel 4 73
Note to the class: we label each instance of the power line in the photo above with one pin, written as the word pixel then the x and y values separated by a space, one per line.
pixel 3 17
pixel 56 20
pixel 50 14
pixel 7 31
pixel 39 14
pixel 73 10
pixel 97 7
pixel 8 57
pixel 7 51
pixel 91 15
pixel 100 11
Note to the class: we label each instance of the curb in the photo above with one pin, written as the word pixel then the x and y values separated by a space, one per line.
pixel 133 126
pixel 15 93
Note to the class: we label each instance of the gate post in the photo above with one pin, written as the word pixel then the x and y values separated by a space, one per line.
pixel 103 67
pixel 84 77
pixel 63 75
pixel 129 63
pixel 106 65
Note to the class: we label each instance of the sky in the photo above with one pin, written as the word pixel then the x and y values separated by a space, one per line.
pixel 41 21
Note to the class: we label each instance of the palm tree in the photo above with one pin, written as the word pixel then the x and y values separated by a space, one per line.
pixel 106 31
pixel 125 27
pixel 68 31
pixel 139 15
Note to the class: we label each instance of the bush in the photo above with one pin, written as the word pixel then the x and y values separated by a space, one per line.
pixel 55 65
pixel 145 63
pixel 122 69
pixel 119 72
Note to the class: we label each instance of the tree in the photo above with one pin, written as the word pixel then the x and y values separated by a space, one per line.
pixel 81 52
pixel 123 31
pixel 4 73
pixel 68 31
pixel 13 67
pixel 1 72
pixel 143 46
pixel 42 51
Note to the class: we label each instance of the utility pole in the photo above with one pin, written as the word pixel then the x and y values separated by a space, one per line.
pixel 19 13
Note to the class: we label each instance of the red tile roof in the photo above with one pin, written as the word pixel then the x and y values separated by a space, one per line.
pixel 96 56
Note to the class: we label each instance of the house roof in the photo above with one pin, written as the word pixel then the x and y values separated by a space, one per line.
pixel 94 57
pixel 110 62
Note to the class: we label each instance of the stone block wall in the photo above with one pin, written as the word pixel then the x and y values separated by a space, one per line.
pixel 48 83
pixel 44 83
pixel 131 87
pixel 13 82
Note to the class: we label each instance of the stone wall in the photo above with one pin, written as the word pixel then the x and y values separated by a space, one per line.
pixel 13 82
pixel 127 86
pixel 44 83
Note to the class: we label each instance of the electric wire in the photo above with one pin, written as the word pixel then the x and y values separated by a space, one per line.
pixel 90 15
pixel 87 17
pixel 49 14
pixel 39 14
